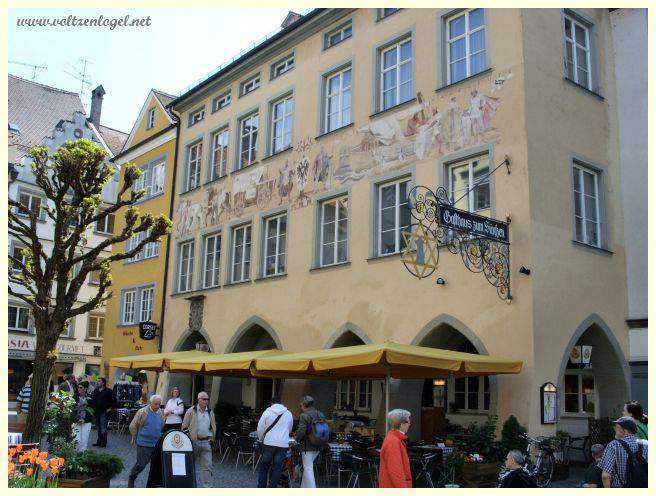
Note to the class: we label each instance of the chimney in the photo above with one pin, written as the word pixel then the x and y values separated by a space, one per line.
pixel 291 18
pixel 96 105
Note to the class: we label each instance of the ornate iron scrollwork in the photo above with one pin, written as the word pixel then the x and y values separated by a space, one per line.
pixel 480 253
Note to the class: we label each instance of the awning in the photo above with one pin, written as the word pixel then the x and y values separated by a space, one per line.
pixel 383 360
pixel 233 364
pixel 155 361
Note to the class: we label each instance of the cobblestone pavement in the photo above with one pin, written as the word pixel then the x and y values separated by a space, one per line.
pixel 226 474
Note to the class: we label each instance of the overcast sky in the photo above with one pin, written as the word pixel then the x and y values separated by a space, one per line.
pixel 178 49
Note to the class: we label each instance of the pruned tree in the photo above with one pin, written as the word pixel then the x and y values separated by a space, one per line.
pixel 48 275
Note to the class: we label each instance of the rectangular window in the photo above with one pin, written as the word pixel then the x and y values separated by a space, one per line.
pixel 129 301
pixel 194 159
pixel 186 266
pixel 354 395
pixel 94 277
pixel 220 153
pixel 212 251
pixel 151 118
pixel 282 119
pixel 221 101
pixel 285 65
pixel 579 393
pixel 275 229
pixel 158 175
pixel 249 85
pixel 196 116
pixel 334 231
pixel 472 393
pixel 248 131
pixel 337 35
pixel 106 224
pixel 241 253
pixel 577 52
pixel 337 100
pixel 17 253
pixel 393 216
pixel 587 215
pixel 147 303
pixel 30 203
pixel 142 182
pixel 19 318
pixel 466 51
pixel 469 185
pixel 69 332
pixel 395 77
pixel 150 250
pixel 383 13
pixel 95 327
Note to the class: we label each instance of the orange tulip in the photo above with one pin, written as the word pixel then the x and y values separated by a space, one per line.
pixel 29 471
pixel 43 455
pixel 43 465
pixel 12 467
pixel 55 471
pixel 12 453
pixel 61 461
pixel 22 458
pixel 19 448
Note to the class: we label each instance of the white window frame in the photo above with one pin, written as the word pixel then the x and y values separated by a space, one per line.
pixel 340 99
pixel 146 303
pixel 397 214
pixel 192 176
pixel 381 14
pixel 30 206
pixel 19 310
pixel 196 116
pixel 280 253
pixel 93 281
pixel 151 118
pixel 575 44
pixel 244 259
pixel 250 85
pixel 155 187
pixel 108 219
pixel 129 307
pixel 286 120
pixel 16 245
pixel 222 101
pixel 465 35
pixel 342 31
pixel 354 397
pixel 579 196
pixel 220 139
pixel 98 335
pixel 481 394
pixel 283 66
pixel 185 262
pixel 252 141
pixel 580 374
pixel 333 201
pixel 470 181
pixel 397 84
pixel 212 261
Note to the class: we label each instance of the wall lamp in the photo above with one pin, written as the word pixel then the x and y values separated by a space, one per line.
pixel 525 271
pixel 440 281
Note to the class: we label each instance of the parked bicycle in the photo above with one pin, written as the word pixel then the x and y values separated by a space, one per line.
pixel 541 467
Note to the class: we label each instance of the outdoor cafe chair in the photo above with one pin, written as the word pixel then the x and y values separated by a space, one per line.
pixel 357 467
pixel 246 450
pixel 424 466
pixel 229 444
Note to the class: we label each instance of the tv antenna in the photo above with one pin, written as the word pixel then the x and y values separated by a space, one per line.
pixel 80 73
pixel 34 67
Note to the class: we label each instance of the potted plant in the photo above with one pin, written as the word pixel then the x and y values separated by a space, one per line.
pixel 91 469
pixel 482 454
pixel 32 468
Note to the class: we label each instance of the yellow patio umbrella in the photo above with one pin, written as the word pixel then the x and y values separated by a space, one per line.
pixel 154 361
pixel 231 364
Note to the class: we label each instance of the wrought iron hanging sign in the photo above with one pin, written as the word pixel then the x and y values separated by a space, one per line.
pixel 481 242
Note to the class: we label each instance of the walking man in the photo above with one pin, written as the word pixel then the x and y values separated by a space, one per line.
pixel 23 399
pixel 103 401
pixel 312 434
pixel 83 415
pixel 199 421
pixel 623 453
pixel 146 428
pixel 273 431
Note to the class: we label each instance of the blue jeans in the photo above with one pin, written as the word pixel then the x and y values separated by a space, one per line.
pixel 272 460
pixel 101 420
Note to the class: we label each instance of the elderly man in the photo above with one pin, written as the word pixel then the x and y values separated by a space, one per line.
pixel 394 462
pixel 592 476
pixel 146 428
pixel 515 475
pixel 199 421
pixel 615 462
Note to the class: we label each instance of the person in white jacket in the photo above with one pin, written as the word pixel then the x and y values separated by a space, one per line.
pixel 273 431
pixel 173 410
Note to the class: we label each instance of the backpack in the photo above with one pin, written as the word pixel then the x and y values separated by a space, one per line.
pixel 319 432
pixel 636 467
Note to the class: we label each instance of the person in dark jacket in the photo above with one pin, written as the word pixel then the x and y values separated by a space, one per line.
pixel 515 475
pixel 309 415
pixel 102 401
pixel 592 476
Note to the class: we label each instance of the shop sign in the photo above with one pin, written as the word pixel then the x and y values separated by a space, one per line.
pixel 548 403
pixel 147 330
pixel 28 344
pixel 20 343
pixel 475 225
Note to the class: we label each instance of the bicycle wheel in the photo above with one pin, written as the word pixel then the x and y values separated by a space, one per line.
pixel 544 468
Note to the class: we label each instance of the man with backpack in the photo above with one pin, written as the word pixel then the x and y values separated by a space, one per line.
pixel 273 431
pixel 624 462
pixel 312 435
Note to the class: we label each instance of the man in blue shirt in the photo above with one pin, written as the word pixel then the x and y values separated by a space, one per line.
pixel 146 428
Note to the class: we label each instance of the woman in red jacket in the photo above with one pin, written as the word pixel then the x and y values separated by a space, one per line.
pixel 394 463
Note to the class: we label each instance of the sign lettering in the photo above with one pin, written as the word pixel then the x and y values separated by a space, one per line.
pixel 476 225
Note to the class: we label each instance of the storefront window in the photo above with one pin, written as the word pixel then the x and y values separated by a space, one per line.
pixel 472 392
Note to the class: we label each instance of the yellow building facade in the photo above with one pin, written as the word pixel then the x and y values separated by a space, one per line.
pixel 290 204
pixel 139 284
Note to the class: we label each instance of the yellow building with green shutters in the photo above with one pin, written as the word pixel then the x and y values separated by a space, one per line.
pixel 139 284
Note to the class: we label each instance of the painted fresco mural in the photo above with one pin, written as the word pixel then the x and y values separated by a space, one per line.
pixel 429 128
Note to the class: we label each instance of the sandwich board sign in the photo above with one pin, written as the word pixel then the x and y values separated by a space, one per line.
pixel 178 460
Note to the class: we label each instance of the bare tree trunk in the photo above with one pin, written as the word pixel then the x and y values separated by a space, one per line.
pixel 44 361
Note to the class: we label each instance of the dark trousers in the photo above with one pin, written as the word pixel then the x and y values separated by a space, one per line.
pixel 272 461
pixel 144 453
pixel 101 423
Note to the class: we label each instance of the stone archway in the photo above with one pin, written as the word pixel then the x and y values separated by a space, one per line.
pixel 190 384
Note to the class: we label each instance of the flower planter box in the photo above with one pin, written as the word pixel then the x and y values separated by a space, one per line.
pixel 481 474
pixel 88 482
